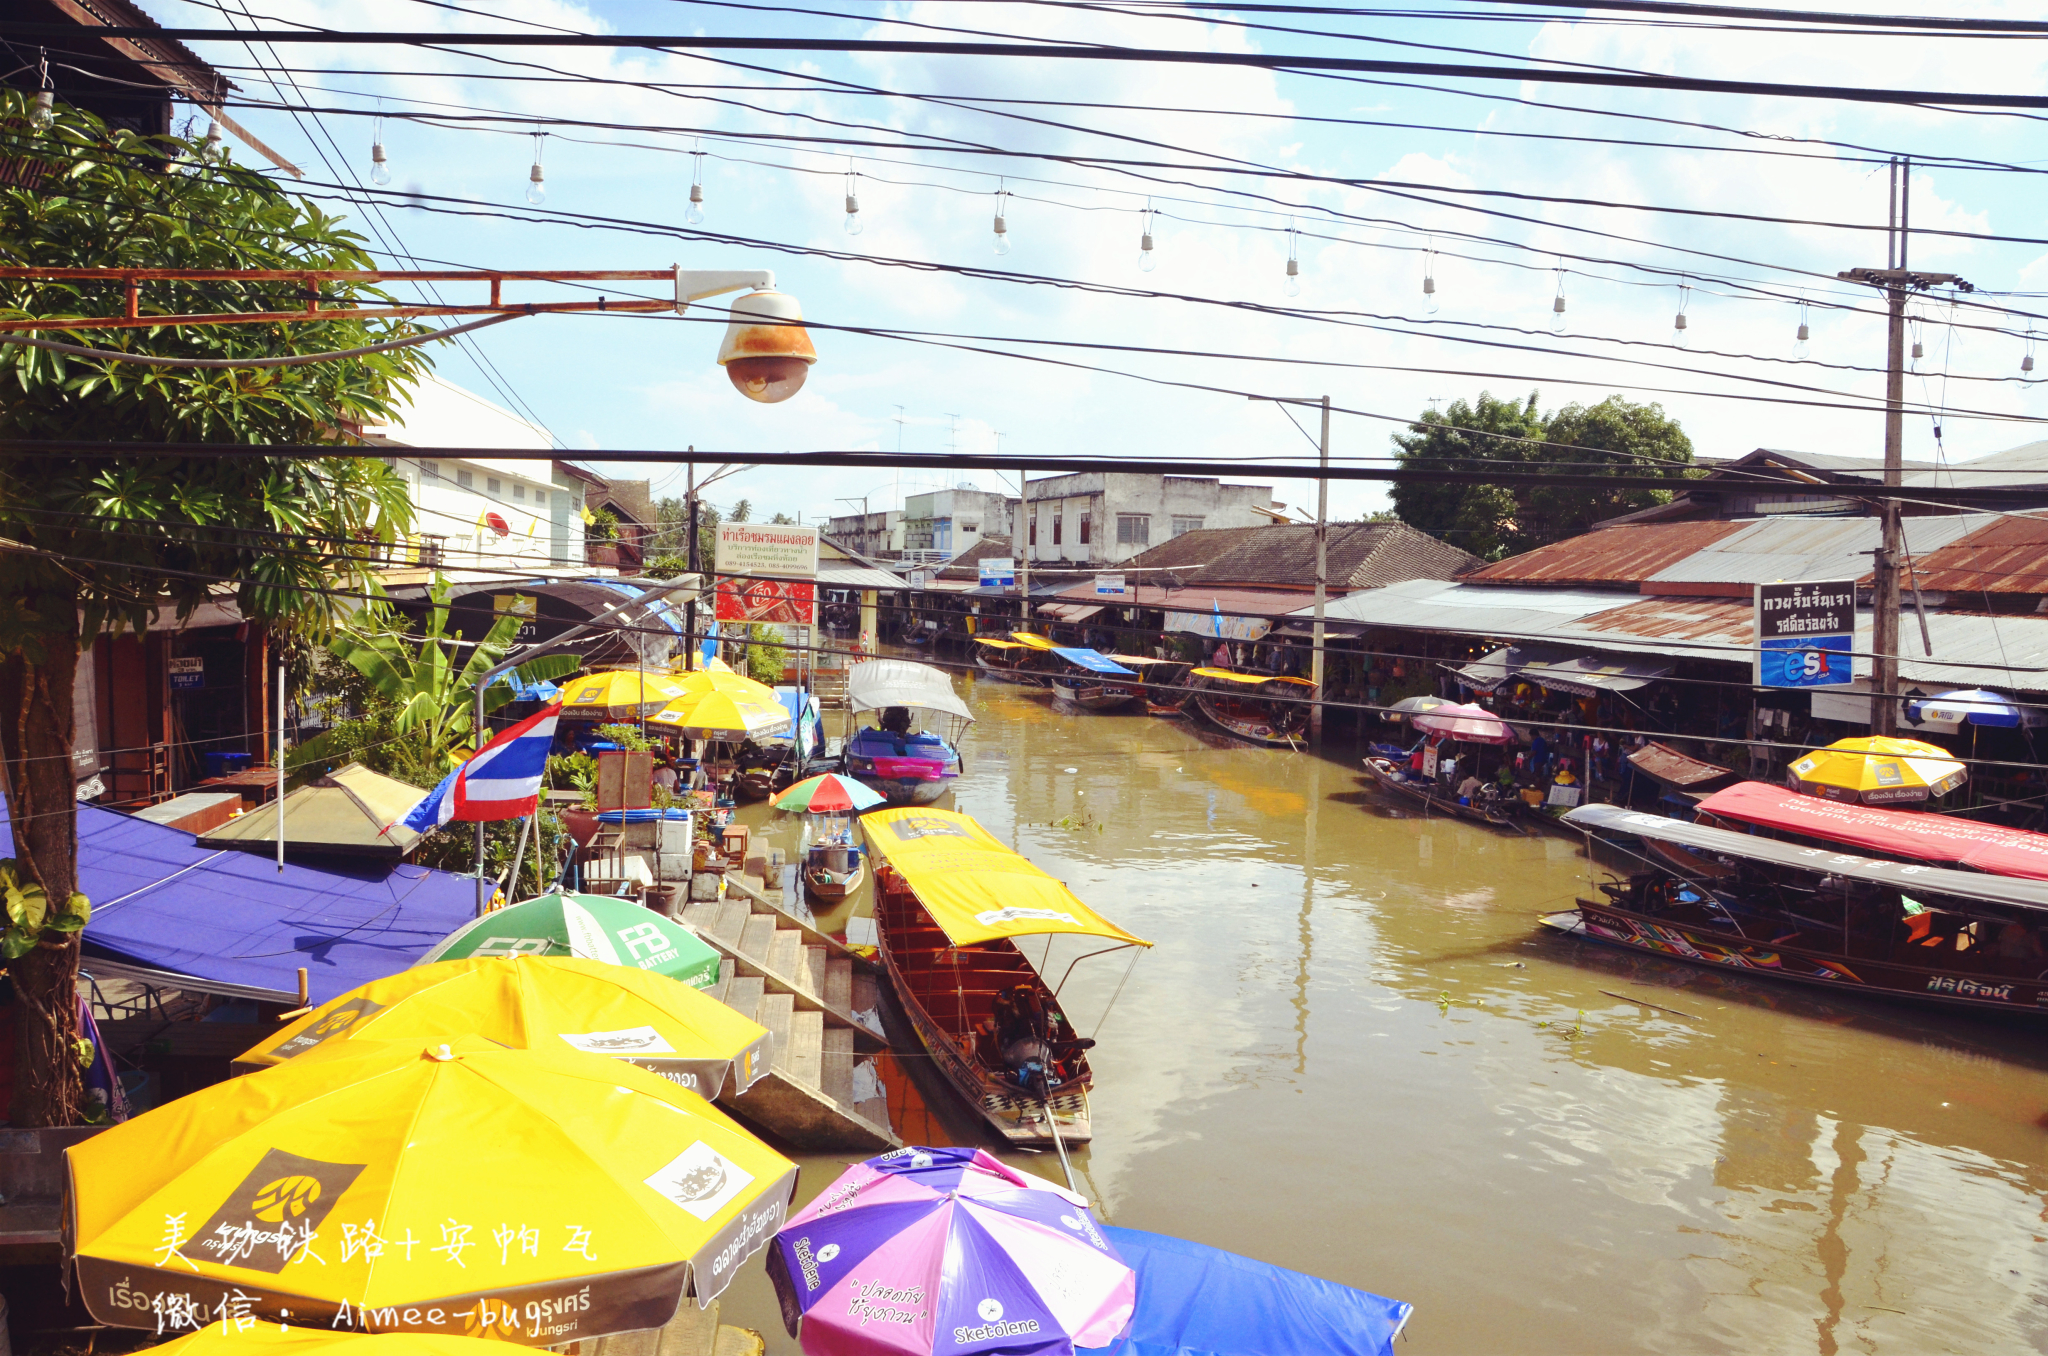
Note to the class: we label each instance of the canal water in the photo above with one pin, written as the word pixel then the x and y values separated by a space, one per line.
pixel 1353 1052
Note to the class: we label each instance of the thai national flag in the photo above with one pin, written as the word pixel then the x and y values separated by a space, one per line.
pixel 501 781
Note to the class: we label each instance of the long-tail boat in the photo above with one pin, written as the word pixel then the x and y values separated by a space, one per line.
pixel 950 902
pixel 1016 658
pixel 1817 916
pixel 1087 678
pixel 1261 708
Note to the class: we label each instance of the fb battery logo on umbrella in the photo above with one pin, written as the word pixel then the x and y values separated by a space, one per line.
pixel 273 1213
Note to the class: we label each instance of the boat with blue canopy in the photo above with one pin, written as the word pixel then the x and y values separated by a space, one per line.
pixel 1084 680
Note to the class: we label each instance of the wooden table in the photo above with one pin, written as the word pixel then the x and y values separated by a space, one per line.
pixel 255 783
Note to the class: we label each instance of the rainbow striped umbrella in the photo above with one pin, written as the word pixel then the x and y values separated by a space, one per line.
pixel 829 794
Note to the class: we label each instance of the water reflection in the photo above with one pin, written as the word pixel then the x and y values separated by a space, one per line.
pixel 1353 1053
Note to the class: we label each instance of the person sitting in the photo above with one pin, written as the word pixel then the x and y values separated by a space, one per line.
pixel 1469 789
pixel 896 719
pixel 665 776
pixel 2018 948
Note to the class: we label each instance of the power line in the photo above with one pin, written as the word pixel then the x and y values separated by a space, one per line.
pixel 1107 53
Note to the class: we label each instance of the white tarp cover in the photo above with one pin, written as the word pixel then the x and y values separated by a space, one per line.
pixel 877 683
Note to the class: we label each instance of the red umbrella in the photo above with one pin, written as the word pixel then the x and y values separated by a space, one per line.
pixel 1473 724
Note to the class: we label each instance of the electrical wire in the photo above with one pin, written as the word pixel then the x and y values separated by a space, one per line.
pixel 297 360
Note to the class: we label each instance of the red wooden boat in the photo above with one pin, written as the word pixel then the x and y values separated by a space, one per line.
pixel 950 900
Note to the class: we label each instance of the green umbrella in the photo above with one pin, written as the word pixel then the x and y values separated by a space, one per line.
pixel 595 927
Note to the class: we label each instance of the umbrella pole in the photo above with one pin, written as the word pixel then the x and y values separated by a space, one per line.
pixel 519 855
pixel 1052 1123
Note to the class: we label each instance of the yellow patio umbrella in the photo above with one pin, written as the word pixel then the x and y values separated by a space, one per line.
pixel 229 1335
pixel 722 715
pixel 620 694
pixel 522 1001
pixel 531 1196
pixel 1877 770
pixel 696 684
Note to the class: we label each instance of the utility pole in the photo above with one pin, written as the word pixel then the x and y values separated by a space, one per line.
pixel 1898 283
pixel 1021 547
pixel 690 605
pixel 1315 713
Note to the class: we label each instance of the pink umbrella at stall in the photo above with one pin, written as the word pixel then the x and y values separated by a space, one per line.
pixel 1473 724
pixel 948 1250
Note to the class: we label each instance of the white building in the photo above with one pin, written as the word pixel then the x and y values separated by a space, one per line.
pixel 947 522
pixel 1107 517
pixel 489 514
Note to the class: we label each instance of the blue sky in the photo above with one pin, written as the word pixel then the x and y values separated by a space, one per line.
pixel 615 382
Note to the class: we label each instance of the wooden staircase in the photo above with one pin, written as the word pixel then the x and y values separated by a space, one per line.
pixel 821 1003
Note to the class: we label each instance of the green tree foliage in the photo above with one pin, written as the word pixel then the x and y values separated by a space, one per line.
pixel 782 518
pixel 425 688
pixel 110 542
pixel 765 653
pixel 672 530
pixel 743 511
pixel 1615 437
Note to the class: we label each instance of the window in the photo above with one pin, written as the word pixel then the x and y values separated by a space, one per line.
pixel 540 496
pixel 519 492
pixel 1181 524
pixel 430 470
pixel 491 484
pixel 1034 529
pixel 464 479
pixel 1084 530
pixel 1055 527
pixel 1133 529
pixel 431 546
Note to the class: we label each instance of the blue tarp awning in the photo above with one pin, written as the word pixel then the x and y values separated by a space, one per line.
pixel 1092 660
pixel 1195 1300
pixel 162 902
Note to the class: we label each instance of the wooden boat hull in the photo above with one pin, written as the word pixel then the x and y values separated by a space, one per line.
pixel 1239 720
pixel 1868 976
pixel 1090 696
pixel 1385 777
pixel 925 970
pixel 834 891
pixel 1021 677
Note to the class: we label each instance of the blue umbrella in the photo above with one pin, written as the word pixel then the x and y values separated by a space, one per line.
pixel 1974 705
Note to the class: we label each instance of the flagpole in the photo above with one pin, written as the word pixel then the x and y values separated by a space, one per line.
pixel 280 768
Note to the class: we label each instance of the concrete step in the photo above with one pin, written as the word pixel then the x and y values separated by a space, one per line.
pixel 775 1012
pixel 806 1047
pixel 838 989
pixel 785 956
pixel 835 1064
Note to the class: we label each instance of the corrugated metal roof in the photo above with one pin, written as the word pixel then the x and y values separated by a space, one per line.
pixel 1230 602
pixel 1617 555
pixel 1451 605
pixel 2003 555
pixel 835 576
pixel 1808 548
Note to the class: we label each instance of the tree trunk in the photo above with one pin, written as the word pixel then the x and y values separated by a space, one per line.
pixel 36 722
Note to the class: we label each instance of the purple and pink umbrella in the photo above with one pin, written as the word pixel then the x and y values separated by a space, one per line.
pixel 927 1250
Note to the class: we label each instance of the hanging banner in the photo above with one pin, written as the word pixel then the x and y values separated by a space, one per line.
pixel 999 572
pixel 1219 627
pixel 187 672
pixel 1804 634
pixel 778 602
pixel 1110 586
pixel 780 549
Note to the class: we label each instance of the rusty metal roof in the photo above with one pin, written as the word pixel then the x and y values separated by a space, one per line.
pixel 1803 548
pixel 2007 555
pixel 1617 555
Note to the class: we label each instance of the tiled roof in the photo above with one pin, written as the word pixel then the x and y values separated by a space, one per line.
pixel 1283 555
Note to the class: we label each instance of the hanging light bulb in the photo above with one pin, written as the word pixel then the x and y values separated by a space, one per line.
pixel 1804 333
pixel 1293 262
pixel 853 202
pixel 380 163
pixel 210 149
pixel 1678 321
pixel 1557 304
pixel 2027 363
pixel 1429 275
pixel 1002 245
pixel 694 213
pixel 45 110
pixel 536 178
pixel 1147 260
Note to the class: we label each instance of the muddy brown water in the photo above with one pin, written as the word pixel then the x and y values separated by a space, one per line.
pixel 1353 1052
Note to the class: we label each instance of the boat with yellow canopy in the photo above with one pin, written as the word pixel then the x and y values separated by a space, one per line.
pixel 950 902
pixel 1017 659
pixel 1264 708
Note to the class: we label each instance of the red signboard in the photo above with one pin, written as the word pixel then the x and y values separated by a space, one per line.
pixel 784 602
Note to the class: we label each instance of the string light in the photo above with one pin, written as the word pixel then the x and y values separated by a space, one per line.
pixel 536 178
pixel 1002 245
pixel 1678 321
pixel 852 202
pixel 1557 303
pixel 46 97
pixel 694 213
pixel 380 163
pixel 1147 260
pixel 1293 262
